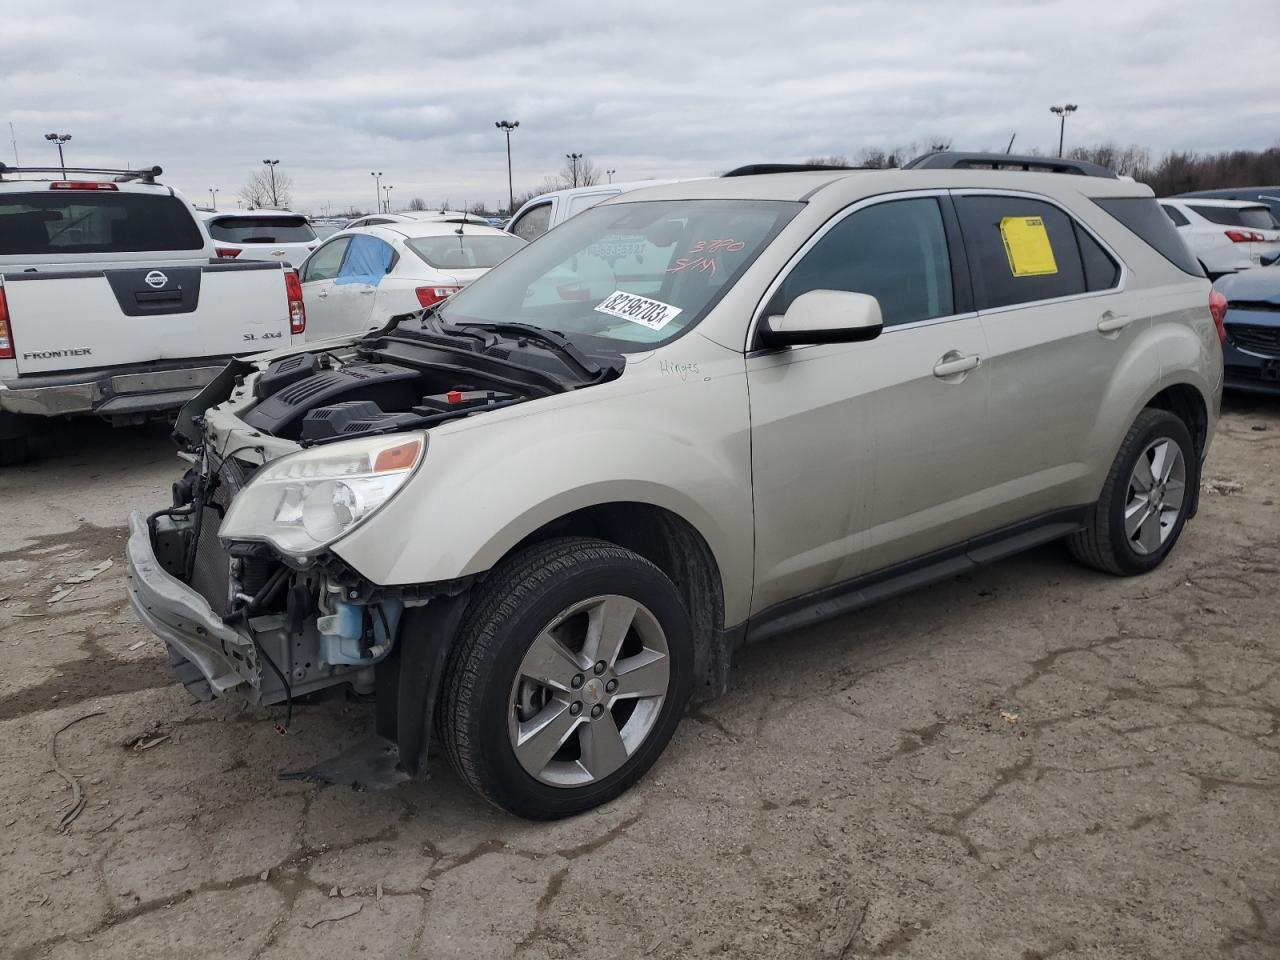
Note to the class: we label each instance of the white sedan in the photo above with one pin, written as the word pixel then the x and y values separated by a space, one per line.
pixel 361 277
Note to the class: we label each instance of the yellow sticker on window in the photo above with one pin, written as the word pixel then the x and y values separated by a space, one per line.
pixel 1027 245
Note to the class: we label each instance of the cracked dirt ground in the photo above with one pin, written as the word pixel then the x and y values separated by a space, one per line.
pixel 1033 761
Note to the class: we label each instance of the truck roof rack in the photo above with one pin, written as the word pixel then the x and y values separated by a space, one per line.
pixel 119 176
pixel 756 169
pixel 953 160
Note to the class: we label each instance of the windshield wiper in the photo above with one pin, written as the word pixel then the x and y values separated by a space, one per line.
pixel 558 342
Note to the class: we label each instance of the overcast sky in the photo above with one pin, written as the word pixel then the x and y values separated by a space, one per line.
pixel 335 90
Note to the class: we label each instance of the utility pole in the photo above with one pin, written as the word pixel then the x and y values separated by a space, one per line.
pixel 59 139
pixel 573 159
pixel 1062 113
pixel 610 174
pixel 377 191
pixel 506 126
pixel 271 165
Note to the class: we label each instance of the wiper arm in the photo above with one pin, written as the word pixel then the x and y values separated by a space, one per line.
pixel 556 341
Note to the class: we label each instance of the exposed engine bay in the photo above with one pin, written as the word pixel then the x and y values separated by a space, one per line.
pixel 301 623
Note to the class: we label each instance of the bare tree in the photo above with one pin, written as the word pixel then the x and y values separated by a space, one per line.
pixel 417 203
pixel 578 173
pixel 833 160
pixel 257 192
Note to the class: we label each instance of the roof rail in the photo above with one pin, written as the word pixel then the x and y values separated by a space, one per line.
pixel 119 176
pixel 755 169
pixel 949 160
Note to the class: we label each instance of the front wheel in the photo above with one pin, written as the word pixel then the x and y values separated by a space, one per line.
pixel 571 670
pixel 1146 498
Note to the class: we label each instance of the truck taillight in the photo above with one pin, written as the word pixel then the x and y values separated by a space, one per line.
pixel 297 309
pixel 430 296
pixel 1218 309
pixel 81 185
pixel 226 251
pixel 1245 236
pixel 6 335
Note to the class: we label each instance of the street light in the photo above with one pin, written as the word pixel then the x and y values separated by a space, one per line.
pixel 377 190
pixel 610 174
pixel 271 165
pixel 59 139
pixel 387 190
pixel 573 159
pixel 506 126
pixel 1062 112
pixel 213 198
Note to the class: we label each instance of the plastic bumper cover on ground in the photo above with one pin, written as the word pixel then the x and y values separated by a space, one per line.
pixel 224 656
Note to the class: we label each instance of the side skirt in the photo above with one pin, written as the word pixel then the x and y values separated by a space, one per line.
pixel 851 595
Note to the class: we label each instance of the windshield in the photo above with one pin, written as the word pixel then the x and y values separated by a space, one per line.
pixel 262 230
pixel 1256 218
pixel 467 251
pixel 634 274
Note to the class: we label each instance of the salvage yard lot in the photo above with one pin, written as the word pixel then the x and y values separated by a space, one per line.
pixel 1034 760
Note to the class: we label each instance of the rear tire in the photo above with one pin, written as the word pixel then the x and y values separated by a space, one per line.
pixel 547 612
pixel 1130 530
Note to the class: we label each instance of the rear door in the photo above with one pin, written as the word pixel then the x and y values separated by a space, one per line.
pixel 1058 322
pixel 99 318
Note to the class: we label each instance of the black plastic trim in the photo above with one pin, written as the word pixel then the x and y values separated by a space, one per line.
pixel 842 598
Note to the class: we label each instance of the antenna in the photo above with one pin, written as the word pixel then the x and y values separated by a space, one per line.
pixel 1009 148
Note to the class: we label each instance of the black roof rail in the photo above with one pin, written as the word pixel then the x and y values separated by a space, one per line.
pixel 118 176
pixel 951 160
pixel 755 169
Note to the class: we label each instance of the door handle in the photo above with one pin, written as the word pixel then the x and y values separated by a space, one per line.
pixel 368 292
pixel 322 294
pixel 1113 322
pixel 954 362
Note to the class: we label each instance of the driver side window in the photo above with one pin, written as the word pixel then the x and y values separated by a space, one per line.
pixel 896 251
pixel 325 262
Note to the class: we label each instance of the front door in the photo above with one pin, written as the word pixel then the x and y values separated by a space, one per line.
pixel 868 454
pixel 318 275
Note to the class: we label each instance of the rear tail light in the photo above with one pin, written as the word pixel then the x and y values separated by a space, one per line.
pixel 1218 308
pixel 81 185
pixel 6 337
pixel 226 251
pixel 430 296
pixel 1245 236
pixel 297 310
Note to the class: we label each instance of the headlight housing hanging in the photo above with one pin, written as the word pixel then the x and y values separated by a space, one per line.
pixel 303 502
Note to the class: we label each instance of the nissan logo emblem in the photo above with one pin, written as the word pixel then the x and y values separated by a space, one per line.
pixel 155 279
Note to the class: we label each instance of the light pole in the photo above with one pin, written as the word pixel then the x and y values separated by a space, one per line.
pixel 213 198
pixel 573 159
pixel 610 174
pixel 506 126
pixel 377 191
pixel 387 191
pixel 271 165
pixel 59 139
pixel 1062 112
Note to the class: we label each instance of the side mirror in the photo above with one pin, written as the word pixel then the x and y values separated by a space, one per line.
pixel 824 316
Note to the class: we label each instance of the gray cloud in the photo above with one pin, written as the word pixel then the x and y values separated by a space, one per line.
pixel 335 89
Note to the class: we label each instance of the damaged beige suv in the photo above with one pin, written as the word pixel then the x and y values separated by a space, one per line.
pixel 535 519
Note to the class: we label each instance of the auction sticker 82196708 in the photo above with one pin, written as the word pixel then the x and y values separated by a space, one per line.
pixel 653 314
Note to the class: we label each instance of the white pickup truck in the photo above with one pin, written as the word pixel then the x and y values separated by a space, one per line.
pixel 113 302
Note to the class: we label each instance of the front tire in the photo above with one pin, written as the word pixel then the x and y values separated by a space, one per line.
pixel 571 670
pixel 1152 484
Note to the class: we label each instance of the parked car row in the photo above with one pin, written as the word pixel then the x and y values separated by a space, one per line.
pixel 1225 235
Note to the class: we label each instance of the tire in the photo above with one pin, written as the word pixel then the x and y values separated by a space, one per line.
pixel 548 596
pixel 1105 543
pixel 13 439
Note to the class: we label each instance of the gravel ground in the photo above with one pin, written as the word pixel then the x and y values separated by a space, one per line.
pixel 1032 761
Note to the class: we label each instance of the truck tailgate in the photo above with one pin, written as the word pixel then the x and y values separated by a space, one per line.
pixel 97 318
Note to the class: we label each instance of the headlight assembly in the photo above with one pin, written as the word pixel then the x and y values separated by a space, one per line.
pixel 303 502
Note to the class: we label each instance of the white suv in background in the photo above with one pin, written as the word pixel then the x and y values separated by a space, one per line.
pixel 277 236
pixel 543 212
pixel 1225 235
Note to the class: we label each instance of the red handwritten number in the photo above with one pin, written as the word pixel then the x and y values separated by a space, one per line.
pixel 706 263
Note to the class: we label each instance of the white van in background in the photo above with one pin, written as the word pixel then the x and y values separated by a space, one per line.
pixel 543 212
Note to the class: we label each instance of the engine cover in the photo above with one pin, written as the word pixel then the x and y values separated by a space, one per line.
pixel 388 385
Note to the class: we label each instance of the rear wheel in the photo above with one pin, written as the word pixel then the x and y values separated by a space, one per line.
pixel 570 673
pixel 1144 504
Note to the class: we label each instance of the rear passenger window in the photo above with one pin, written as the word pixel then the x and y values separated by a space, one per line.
pixel 895 251
pixel 1143 217
pixel 1022 250
pixel 1175 215
pixel 1100 271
